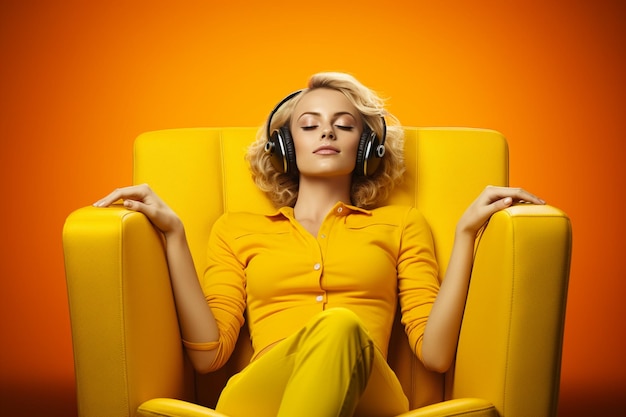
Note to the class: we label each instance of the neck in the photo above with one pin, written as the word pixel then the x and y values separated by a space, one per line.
pixel 316 196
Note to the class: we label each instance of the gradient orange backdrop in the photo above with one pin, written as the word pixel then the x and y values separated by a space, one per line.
pixel 80 80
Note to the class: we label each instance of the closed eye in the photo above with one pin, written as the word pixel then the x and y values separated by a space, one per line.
pixel 348 128
pixel 308 127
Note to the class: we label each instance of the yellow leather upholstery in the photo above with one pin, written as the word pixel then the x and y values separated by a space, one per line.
pixel 128 354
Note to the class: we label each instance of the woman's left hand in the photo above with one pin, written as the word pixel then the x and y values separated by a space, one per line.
pixel 491 200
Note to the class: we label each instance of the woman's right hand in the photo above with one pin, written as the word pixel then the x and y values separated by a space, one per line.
pixel 141 198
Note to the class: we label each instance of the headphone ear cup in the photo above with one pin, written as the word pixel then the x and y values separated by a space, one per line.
pixel 273 148
pixel 281 151
pixel 291 167
pixel 360 153
pixel 366 161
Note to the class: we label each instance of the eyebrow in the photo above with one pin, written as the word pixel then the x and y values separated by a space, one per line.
pixel 312 113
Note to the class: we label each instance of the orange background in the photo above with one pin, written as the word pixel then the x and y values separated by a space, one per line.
pixel 80 80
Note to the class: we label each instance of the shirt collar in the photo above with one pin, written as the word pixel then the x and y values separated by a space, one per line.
pixel 339 208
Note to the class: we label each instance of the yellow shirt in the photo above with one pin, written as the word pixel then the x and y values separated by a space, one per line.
pixel 272 269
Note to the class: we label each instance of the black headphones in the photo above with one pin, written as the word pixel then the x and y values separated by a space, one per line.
pixel 282 153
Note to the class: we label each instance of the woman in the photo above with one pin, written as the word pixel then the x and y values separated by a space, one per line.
pixel 320 278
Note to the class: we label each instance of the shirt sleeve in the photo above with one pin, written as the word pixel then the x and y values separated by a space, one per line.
pixel 418 282
pixel 223 284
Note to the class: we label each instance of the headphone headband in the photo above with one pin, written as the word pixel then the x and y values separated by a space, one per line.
pixel 382 141
pixel 278 106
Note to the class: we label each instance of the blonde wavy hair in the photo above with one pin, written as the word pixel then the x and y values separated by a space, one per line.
pixel 367 192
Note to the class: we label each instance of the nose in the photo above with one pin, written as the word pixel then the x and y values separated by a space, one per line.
pixel 328 133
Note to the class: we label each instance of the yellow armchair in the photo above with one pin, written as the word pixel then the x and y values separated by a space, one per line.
pixel 128 354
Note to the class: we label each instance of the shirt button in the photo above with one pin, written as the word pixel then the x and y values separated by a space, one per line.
pixel 319 298
pixel 317 267
pixel 340 209
pixel 323 236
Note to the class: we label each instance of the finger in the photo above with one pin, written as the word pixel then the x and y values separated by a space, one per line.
pixel 136 206
pixel 503 203
pixel 522 195
pixel 149 210
pixel 109 199
pixel 135 192
pixel 497 205
pixel 517 194
pixel 534 199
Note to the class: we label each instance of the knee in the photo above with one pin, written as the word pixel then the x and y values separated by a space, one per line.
pixel 342 321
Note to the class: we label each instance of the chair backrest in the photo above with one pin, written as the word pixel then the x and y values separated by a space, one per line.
pixel 201 173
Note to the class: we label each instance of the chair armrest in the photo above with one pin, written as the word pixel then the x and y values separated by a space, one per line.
pixel 125 332
pixel 511 338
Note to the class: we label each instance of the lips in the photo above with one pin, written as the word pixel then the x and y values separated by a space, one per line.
pixel 326 150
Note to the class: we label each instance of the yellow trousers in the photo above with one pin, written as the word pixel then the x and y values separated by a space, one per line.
pixel 329 368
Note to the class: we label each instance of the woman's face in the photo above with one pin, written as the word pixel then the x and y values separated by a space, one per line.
pixel 326 129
